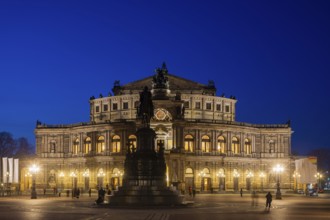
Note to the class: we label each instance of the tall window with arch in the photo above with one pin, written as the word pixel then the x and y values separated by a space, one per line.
pixel 100 146
pixel 206 144
pixel 235 145
pixel 87 145
pixel 221 143
pixel 132 142
pixel 116 144
pixel 75 148
pixel 189 143
pixel 247 146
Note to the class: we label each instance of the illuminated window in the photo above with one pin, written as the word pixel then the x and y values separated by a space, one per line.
pixel 75 148
pixel 189 143
pixel 132 142
pixel 247 146
pixel 206 144
pixel 87 145
pixel 235 145
pixel 100 145
pixel 116 144
pixel 221 144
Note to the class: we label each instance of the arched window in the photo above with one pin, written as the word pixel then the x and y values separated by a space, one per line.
pixel 235 145
pixel 87 145
pixel 75 148
pixel 100 146
pixel 205 144
pixel 247 146
pixel 132 142
pixel 189 143
pixel 221 144
pixel 116 144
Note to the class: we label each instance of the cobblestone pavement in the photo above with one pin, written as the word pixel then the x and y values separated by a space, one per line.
pixel 204 206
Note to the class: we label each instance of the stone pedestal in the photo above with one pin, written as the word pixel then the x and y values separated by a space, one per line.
pixel 144 180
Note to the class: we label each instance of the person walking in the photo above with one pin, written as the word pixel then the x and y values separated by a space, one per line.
pixel 269 199
pixel 241 192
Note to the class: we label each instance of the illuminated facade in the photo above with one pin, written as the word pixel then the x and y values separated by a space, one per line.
pixel 205 147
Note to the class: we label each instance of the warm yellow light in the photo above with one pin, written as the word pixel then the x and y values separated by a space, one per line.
pixel 278 168
pixel 34 169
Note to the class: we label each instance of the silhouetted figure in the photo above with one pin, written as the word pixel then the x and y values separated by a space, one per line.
pixel 269 199
pixel 90 192
pixel 241 192
pixel 146 108
pixel 193 192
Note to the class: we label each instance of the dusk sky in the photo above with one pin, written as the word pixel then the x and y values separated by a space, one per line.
pixel 274 56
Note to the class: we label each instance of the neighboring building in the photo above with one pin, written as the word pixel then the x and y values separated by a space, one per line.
pixel 205 146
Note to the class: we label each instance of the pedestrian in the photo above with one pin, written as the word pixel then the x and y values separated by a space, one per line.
pixel 77 193
pixel 241 192
pixel 190 191
pixel 193 192
pixel 90 192
pixel 269 199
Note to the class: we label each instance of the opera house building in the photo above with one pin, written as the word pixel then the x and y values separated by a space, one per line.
pixel 205 147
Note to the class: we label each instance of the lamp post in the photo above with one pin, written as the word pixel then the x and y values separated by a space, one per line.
pixel 262 176
pixel 34 169
pixel 296 175
pixel 318 177
pixel 278 169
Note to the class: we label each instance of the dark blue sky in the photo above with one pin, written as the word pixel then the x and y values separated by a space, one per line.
pixel 274 56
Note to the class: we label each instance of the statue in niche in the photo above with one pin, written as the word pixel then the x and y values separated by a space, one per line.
pixel 146 108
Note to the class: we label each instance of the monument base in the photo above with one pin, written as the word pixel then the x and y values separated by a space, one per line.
pixel 145 196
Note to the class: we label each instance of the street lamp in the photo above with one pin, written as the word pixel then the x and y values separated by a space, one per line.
pixel 318 177
pixel 262 176
pixel 278 169
pixel 296 175
pixel 34 169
